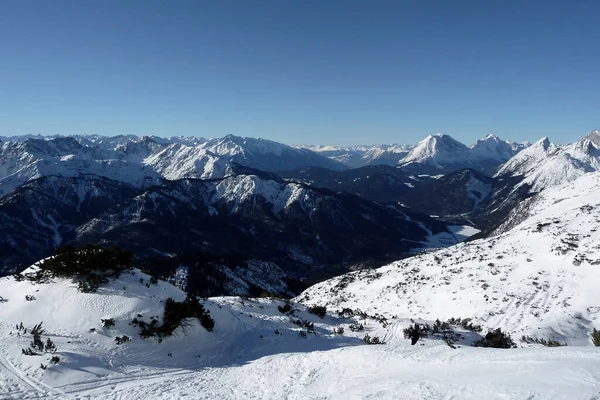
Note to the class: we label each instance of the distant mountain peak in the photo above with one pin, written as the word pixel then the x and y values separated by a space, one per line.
pixel 594 137
pixel 441 152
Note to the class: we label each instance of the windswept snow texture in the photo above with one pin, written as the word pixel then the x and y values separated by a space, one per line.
pixel 539 279
pixel 255 352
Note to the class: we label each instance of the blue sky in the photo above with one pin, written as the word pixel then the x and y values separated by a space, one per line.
pixel 330 72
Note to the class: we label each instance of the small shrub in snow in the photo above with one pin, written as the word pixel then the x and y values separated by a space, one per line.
pixel 372 340
pixel 422 330
pixel 496 339
pixel 465 324
pixel 338 331
pixel 36 343
pixel 310 326
pixel 440 327
pixel 122 339
pixel 44 367
pixel 30 297
pixel 356 327
pixel 50 347
pixel 55 360
pixel 285 308
pixel 596 337
pixel 108 322
pixel 415 332
pixel 28 352
pixel 543 342
pixel 345 313
pixel 176 315
pixel 319 311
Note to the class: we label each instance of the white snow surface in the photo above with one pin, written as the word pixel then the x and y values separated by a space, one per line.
pixel 255 352
pixel 544 164
pixel 538 279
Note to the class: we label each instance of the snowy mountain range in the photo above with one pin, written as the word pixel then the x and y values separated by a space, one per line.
pixel 544 164
pixel 246 217
pixel 119 176
pixel 434 155
pixel 360 156
pixel 439 154
pixel 210 217
pixel 145 161
pixel 342 338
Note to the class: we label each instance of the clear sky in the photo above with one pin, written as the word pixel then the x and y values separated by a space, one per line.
pixel 328 72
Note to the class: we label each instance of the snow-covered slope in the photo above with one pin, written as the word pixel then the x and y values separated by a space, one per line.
pixel 491 149
pixel 266 155
pixel 437 149
pixel 544 164
pixel 178 161
pixel 21 162
pixel 255 351
pixel 528 159
pixel 539 279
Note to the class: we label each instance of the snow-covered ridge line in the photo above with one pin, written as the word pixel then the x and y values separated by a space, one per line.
pixel 144 161
pixel 545 164
pixel 443 153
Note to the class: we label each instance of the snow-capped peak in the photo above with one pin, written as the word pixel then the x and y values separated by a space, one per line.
pixel 436 148
pixel 594 137
pixel 529 158
pixel 443 153
pixel 492 147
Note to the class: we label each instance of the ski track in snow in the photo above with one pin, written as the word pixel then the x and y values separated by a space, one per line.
pixel 23 386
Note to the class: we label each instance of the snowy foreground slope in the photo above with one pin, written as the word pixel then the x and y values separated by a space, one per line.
pixel 539 279
pixel 255 352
